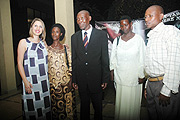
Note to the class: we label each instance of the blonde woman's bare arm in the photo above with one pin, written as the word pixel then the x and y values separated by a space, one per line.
pixel 22 47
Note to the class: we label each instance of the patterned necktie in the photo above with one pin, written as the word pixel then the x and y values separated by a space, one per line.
pixel 85 40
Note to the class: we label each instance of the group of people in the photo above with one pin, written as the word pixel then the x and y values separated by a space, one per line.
pixel 159 62
pixel 46 74
pixel 51 74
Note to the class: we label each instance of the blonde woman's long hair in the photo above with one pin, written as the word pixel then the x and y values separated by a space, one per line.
pixel 43 34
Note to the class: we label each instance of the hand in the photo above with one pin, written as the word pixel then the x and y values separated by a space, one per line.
pixel 112 75
pixel 28 87
pixel 70 84
pixel 104 85
pixel 141 80
pixel 75 86
pixel 145 93
pixel 164 100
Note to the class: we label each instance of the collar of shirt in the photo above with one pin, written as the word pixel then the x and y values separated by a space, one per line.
pixel 156 29
pixel 88 32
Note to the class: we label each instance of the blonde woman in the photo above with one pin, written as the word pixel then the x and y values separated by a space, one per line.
pixel 33 68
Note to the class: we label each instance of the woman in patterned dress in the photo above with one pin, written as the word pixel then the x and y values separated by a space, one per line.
pixel 59 70
pixel 33 68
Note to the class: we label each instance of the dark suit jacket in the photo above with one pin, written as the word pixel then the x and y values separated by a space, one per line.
pixel 90 67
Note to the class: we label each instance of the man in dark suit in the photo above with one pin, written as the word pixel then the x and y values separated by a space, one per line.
pixel 90 65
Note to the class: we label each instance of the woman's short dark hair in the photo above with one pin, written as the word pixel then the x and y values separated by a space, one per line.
pixel 126 17
pixel 62 30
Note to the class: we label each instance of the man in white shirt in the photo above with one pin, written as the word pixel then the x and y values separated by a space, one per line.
pixel 162 64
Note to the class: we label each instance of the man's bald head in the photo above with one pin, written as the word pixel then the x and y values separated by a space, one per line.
pixel 153 16
pixel 157 8
pixel 84 11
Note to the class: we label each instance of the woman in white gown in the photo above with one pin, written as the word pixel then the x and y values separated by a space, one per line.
pixel 127 70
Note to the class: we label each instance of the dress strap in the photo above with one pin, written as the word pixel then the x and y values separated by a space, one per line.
pixel 27 40
pixel 66 56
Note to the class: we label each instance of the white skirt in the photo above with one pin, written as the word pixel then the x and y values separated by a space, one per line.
pixel 128 102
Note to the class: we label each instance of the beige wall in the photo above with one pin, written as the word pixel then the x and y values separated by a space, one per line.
pixel 64 14
pixel 7 70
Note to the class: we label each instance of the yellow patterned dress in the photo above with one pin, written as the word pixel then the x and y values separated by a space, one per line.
pixel 62 98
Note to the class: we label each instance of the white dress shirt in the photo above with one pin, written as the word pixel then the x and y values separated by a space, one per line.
pixel 163 56
pixel 88 33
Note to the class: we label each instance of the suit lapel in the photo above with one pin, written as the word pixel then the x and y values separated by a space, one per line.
pixel 80 39
pixel 92 37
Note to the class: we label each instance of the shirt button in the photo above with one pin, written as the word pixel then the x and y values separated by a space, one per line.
pixel 86 63
pixel 86 53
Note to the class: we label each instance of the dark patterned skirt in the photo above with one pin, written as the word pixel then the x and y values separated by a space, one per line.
pixel 63 103
pixel 37 105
